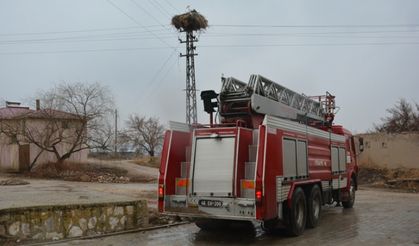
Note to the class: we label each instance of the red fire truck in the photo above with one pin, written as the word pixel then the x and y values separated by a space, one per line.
pixel 275 157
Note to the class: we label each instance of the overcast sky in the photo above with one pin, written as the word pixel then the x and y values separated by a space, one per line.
pixel 364 52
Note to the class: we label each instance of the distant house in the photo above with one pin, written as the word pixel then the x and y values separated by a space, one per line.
pixel 19 124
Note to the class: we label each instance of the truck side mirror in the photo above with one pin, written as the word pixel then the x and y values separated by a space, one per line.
pixel 361 144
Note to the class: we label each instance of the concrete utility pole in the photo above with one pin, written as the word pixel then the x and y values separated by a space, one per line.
pixel 116 132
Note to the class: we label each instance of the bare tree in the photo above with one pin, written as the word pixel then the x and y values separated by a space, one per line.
pixel 72 118
pixel 92 105
pixel 403 118
pixel 145 134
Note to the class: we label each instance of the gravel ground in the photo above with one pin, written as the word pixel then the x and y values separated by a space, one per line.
pixel 57 192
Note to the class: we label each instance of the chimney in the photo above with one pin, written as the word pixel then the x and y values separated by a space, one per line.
pixel 10 104
pixel 38 104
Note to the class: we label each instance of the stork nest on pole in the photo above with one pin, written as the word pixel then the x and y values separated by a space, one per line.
pixel 190 21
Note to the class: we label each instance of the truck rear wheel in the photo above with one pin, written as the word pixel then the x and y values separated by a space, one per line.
pixel 351 201
pixel 314 206
pixel 297 214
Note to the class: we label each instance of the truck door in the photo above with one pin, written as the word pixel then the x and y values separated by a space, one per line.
pixel 213 166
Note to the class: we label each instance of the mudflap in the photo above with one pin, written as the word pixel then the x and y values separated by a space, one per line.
pixel 344 195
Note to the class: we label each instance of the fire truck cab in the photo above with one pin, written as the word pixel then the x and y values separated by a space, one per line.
pixel 275 158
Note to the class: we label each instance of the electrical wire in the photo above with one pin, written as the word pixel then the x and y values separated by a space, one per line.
pixel 315 26
pixel 160 8
pixel 313 33
pixel 149 86
pixel 148 13
pixel 83 39
pixel 138 23
pixel 74 31
pixel 146 35
pixel 172 6
pixel 219 26
pixel 82 51
pixel 308 45
pixel 161 67
pixel 214 46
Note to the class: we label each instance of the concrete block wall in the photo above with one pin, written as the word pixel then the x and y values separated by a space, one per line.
pixel 59 222
pixel 390 150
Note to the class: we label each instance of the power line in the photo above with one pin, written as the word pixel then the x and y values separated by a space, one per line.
pixel 138 23
pixel 82 39
pixel 140 36
pixel 156 75
pixel 217 25
pixel 312 33
pixel 218 34
pixel 318 44
pixel 172 6
pixel 160 8
pixel 212 46
pixel 161 67
pixel 148 13
pixel 152 91
pixel 316 26
pixel 81 51
pixel 74 31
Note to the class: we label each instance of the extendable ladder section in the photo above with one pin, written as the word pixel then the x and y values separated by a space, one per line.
pixel 268 97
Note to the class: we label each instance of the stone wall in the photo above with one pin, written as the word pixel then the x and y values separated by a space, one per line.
pixel 390 150
pixel 58 222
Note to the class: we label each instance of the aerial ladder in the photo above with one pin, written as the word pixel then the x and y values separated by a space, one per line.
pixel 249 102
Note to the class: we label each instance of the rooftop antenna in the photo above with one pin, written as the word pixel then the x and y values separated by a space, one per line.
pixel 190 23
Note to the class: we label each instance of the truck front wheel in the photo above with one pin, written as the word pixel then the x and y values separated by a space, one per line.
pixel 297 214
pixel 351 201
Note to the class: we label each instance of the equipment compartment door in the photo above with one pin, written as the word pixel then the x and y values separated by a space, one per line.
pixel 213 166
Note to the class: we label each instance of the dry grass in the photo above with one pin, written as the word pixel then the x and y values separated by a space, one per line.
pixel 75 171
pixel 13 181
pixel 398 178
pixel 147 161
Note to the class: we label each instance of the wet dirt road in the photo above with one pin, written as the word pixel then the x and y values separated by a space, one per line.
pixel 379 218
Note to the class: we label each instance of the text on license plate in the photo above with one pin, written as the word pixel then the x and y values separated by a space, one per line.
pixel 210 203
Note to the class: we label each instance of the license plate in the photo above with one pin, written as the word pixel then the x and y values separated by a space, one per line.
pixel 210 203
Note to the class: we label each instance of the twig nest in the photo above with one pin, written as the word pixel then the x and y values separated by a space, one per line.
pixel 190 21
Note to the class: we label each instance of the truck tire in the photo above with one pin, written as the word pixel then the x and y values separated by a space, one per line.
pixel 351 201
pixel 314 206
pixel 297 213
pixel 212 224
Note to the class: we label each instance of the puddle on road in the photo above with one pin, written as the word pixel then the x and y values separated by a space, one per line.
pixel 245 234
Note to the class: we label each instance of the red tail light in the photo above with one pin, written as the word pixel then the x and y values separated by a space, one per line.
pixel 258 196
pixel 161 191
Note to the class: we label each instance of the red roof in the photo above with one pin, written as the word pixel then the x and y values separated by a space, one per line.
pixel 25 112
